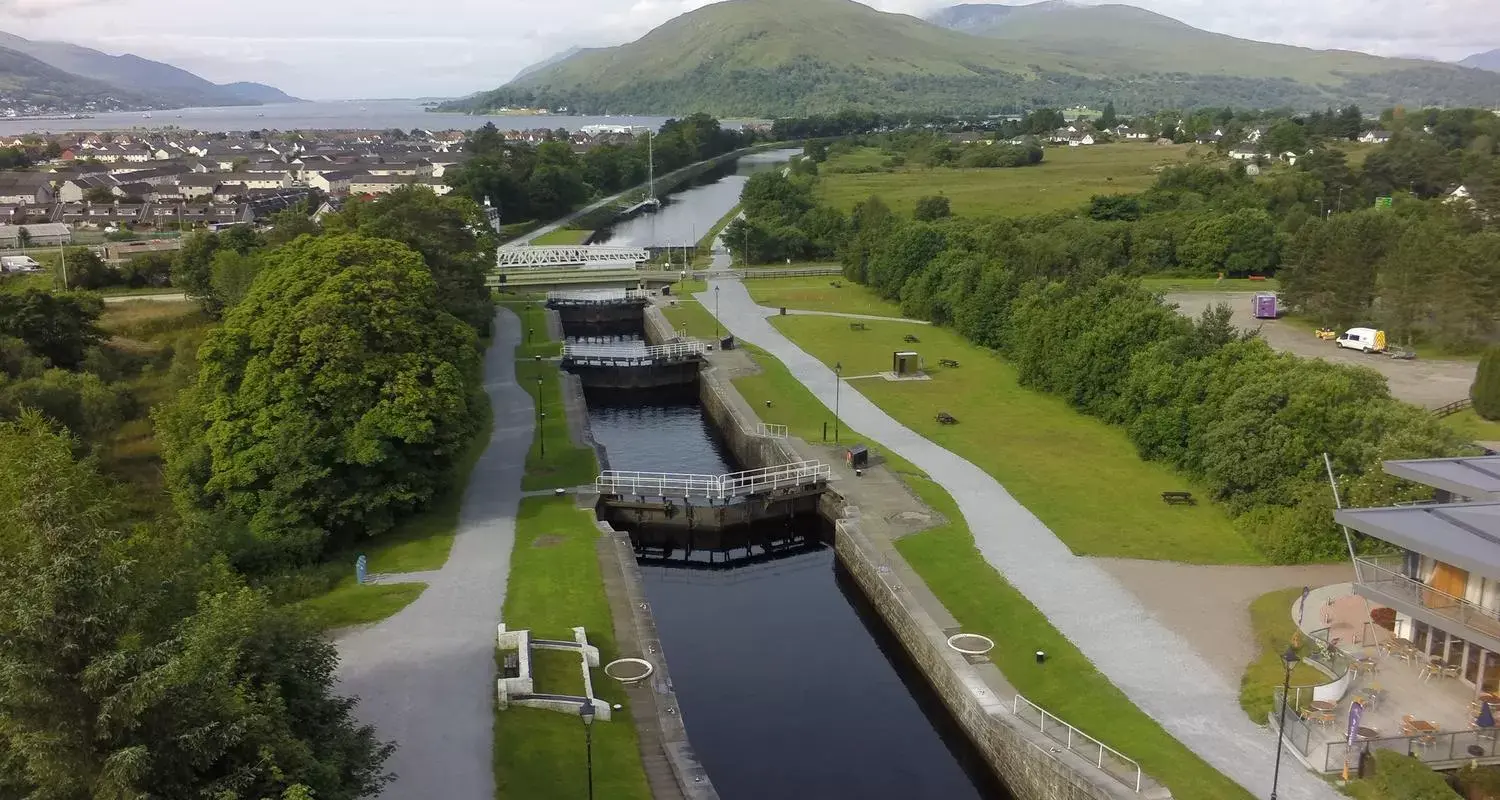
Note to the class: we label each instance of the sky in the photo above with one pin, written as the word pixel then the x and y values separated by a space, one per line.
pixel 337 49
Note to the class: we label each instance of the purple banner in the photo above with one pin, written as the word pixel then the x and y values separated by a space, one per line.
pixel 1302 604
pixel 1356 710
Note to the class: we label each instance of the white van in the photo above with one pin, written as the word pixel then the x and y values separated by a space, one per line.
pixel 1367 340
pixel 19 264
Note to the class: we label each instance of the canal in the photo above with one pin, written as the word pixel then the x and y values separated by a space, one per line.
pixel 790 684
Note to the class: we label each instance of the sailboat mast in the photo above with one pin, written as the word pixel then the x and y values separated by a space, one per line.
pixel 650 168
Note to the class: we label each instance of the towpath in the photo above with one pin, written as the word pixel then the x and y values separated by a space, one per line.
pixel 1160 671
pixel 425 676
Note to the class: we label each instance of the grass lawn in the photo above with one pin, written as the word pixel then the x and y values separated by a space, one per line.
pixel 556 671
pixel 1066 179
pixel 1080 476
pixel 689 315
pixel 1157 284
pixel 562 236
pixel 535 341
pixel 819 293
pixel 1472 426
pixel 352 604
pixel 563 464
pixel 1273 629
pixel 945 558
pixel 555 585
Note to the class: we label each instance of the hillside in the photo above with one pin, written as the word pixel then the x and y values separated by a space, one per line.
pixel 788 57
pixel 1489 59
pixel 163 83
pixel 26 81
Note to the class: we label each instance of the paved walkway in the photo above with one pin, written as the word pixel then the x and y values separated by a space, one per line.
pixel 426 676
pixel 1158 669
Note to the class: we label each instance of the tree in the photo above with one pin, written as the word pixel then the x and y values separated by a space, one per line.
pixel 232 274
pixel 1108 119
pixel 932 207
pixel 134 667
pixel 59 327
pixel 289 223
pixel 23 238
pixel 99 194
pixel 816 150
pixel 1486 389
pixel 333 399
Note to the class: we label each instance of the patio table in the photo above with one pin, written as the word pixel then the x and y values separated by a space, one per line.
pixel 1366 734
pixel 1323 705
pixel 1424 726
pixel 1489 697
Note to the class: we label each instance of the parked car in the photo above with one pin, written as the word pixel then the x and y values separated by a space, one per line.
pixel 1365 340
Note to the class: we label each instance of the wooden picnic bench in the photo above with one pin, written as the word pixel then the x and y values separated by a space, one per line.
pixel 947 362
pixel 944 418
pixel 858 326
pixel 910 338
pixel 512 667
pixel 1178 498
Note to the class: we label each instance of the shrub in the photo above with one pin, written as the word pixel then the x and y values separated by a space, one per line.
pixel 1486 389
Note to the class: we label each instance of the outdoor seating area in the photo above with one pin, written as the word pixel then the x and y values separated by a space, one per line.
pixel 1408 701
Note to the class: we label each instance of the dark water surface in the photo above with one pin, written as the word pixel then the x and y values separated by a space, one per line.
pixel 791 687
pixel 687 215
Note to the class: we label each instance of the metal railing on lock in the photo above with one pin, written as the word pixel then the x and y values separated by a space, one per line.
pixel 1116 764
pixel 597 295
pixel 770 430
pixel 632 353
pixel 711 487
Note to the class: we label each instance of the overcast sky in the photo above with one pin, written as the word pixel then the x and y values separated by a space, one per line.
pixel 326 49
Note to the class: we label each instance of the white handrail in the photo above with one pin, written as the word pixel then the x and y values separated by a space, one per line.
pixel 633 352
pixel 714 487
pixel 567 255
pixel 598 295
pixel 1074 738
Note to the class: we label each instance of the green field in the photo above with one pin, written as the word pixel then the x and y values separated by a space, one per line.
pixel 562 236
pixel 1079 475
pixel 555 585
pixel 1273 628
pixel 983 602
pixel 1066 179
pixel 1473 427
pixel 821 293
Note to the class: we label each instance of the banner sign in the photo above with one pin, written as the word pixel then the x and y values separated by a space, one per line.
pixel 1356 711
pixel 1302 604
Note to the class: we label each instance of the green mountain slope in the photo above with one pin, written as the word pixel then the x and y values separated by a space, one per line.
pixel 1489 59
pixel 787 57
pixel 163 83
pixel 26 80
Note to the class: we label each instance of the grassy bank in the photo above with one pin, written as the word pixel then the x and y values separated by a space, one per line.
pixel 555 585
pixel 983 602
pixel 1079 475
pixel 1473 427
pixel 563 236
pixel 1273 629
pixel 821 293
pixel 1066 179
pixel 553 460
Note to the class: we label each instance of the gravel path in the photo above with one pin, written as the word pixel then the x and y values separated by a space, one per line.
pixel 1217 621
pixel 1157 668
pixel 425 677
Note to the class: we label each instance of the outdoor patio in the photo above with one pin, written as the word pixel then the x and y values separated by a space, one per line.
pixel 1334 614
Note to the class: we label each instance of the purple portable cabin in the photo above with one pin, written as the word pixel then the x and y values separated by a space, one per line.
pixel 1263 305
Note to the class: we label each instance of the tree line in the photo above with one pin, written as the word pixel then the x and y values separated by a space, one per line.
pixel 1056 294
pixel 154 654
pixel 549 179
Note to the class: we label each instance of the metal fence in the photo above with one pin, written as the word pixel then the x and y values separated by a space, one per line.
pixel 632 353
pixel 1116 764
pixel 596 295
pixel 712 487
pixel 1434 748
pixel 770 430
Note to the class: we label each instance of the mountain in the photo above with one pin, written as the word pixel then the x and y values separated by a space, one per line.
pixel 26 81
pixel 1487 60
pixel 165 84
pixel 547 62
pixel 790 57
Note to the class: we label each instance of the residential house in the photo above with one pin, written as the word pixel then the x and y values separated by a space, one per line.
pixel 1461 194
pixel 1080 139
pixel 334 181
pixel 135 192
pixel 1444 581
pixel 1375 137
pixel 192 187
pixel 1125 133
pixel 156 176
pixel 75 189
pixel 42 234
pixel 383 184
pixel 1242 154
pixel 25 188
pixel 264 177
pixel 1254 135
pixel 228 192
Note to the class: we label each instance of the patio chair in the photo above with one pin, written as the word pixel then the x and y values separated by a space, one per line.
pixel 1386 647
pixel 1429 670
pixel 1450 670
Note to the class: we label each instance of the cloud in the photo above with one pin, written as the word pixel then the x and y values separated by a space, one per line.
pixel 31 9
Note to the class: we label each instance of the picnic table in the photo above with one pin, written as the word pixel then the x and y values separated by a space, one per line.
pixel 1366 734
pixel 1178 498
pixel 910 338
pixel 858 326
pixel 944 418
pixel 1323 705
pixel 947 362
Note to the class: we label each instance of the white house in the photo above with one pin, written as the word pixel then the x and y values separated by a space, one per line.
pixel 1126 133
pixel 1460 195
pixel 334 181
pixel 1241 154
pixel 1080 139
pixel 383 184
pixel 1375 137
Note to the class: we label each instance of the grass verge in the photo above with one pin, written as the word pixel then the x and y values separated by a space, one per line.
pixel 553 460
pixel 562 236
pixel 821 293
pixel 353 604
pixel 1473 427
pixel 555 585
pixel 1079 475
pixel 1273 629
pixel 690 317
pixel 1162 284
pixel 983 602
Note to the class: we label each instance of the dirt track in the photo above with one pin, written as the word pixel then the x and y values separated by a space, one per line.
pixel 1423 382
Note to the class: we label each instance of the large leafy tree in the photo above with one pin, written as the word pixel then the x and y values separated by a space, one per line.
pixel 59 327
pixel 333 399
pixel 130 667
pixel 451 235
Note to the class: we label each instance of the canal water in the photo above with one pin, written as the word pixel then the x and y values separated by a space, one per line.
pixel 687 215
pixel 790 684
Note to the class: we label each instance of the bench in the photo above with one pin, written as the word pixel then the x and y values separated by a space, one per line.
pixel 858 326
pixel 947 362
pixel 512 667
pixel 910 338
pixel 1178 498
pixel 944 418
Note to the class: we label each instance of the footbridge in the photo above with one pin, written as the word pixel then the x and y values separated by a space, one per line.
pixel 799 476
pixel 578 256
pixel 628 355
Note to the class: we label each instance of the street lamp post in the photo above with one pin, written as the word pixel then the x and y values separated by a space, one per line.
pixel 1289 658
pixel 541 417
pixel 716 312
pixel 586 713
pixel 838 380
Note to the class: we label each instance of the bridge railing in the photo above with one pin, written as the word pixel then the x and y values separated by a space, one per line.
pixel 566 255
pixel 634 353
pixel 597 295
pixel 713 487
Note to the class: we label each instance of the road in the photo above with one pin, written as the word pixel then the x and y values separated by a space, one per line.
pixel 425 677
pixel 1159 670
pixel 1427 383
pixel 164 297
